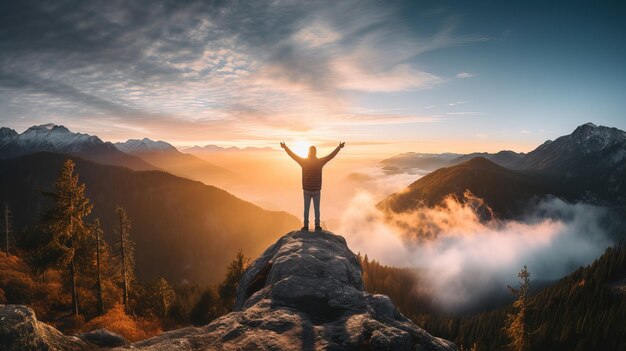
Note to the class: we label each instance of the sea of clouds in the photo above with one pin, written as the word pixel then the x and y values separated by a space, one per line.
pixel 465 260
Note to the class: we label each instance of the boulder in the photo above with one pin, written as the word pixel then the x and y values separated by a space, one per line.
pixel 21 331
pixel 103 338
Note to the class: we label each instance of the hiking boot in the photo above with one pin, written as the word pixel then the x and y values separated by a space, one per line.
pixel 304 229
pixel 318 228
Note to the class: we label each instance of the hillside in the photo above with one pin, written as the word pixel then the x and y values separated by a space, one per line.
pixel 583 311
pixel 505 191
pixel 184 230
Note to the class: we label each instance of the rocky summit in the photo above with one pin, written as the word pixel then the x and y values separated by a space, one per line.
pixel 305 292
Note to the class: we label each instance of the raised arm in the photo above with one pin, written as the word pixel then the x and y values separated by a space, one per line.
pixel 330 156
pixel 291 153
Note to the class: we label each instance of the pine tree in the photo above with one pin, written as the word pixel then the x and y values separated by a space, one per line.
pixel 228 288
pixel 206 309
pixel 515 323
pixel 163 295
pixel 97 233
pixel 64 223
pixel 126 253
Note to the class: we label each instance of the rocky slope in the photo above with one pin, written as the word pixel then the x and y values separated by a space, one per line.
pixel 305 292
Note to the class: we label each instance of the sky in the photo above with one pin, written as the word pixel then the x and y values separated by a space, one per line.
pixel 384 76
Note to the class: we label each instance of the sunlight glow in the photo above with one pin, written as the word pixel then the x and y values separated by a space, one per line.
pixel 300 147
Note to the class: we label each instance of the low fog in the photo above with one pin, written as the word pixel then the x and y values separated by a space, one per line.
pixel 465 261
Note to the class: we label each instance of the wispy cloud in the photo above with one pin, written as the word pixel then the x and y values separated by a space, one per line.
pixel 464 75
pixel 231 68
pixel 457 103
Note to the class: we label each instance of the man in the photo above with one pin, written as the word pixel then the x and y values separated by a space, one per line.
pixel 312 180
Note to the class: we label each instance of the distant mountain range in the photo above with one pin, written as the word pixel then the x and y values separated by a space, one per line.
pixel 167 157
pixel 588 165
pixel 215 148
pixel 184 230
pixel 55 138
pixel 417 163
pixel 136 154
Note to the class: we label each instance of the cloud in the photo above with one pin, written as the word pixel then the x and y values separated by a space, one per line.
pixel 463 260
pixel 464 75
pixel 456 103
pixel 263 64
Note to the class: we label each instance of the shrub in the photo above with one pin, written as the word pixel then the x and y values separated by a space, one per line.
pixel 116 320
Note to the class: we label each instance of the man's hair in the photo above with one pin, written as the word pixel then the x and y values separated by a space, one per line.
pixel 312 151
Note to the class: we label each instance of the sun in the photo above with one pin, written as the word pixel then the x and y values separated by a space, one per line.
pixel 300 147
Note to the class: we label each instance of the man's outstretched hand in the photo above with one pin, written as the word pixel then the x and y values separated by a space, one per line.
pixel 282 144
pixel 342 144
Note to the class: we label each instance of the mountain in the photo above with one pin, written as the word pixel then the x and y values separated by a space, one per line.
pixel 505 191
pixel 506 158
pixel 132 146
pixel 215 148
pixel 305 292
pixel 6 135
pixel 184 230
pixel 587 165
pixel 585 142
pixel 55 138
pixel 416 163
pixel 167 157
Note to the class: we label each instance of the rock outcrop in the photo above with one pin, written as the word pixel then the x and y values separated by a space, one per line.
pixel 21 331
pixel 104 338
pixel 304 292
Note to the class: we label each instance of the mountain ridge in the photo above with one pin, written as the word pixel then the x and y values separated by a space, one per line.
pixel 57 138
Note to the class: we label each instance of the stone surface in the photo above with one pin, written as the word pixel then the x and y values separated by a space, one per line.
pixel 104 338
pixel 21 331
pixel 305 292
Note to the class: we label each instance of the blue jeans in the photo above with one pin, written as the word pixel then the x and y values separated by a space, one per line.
pixel 308 195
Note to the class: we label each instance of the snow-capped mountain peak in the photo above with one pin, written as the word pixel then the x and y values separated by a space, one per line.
pixel 144 145
pixel 593 138
pixel 55 137
pixel 587 139
pixel 7 134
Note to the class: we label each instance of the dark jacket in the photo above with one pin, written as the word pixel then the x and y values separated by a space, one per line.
pixel 312 169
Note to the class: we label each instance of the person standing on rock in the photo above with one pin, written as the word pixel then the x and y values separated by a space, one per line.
pixel 312 180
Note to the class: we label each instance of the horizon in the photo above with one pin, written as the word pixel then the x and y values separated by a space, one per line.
pixel 300 146
pixel 397 77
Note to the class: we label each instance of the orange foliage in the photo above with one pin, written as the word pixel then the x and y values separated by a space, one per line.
pixel 133 329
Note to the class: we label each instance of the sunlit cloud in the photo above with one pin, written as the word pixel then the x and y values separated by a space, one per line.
pixel 176 71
